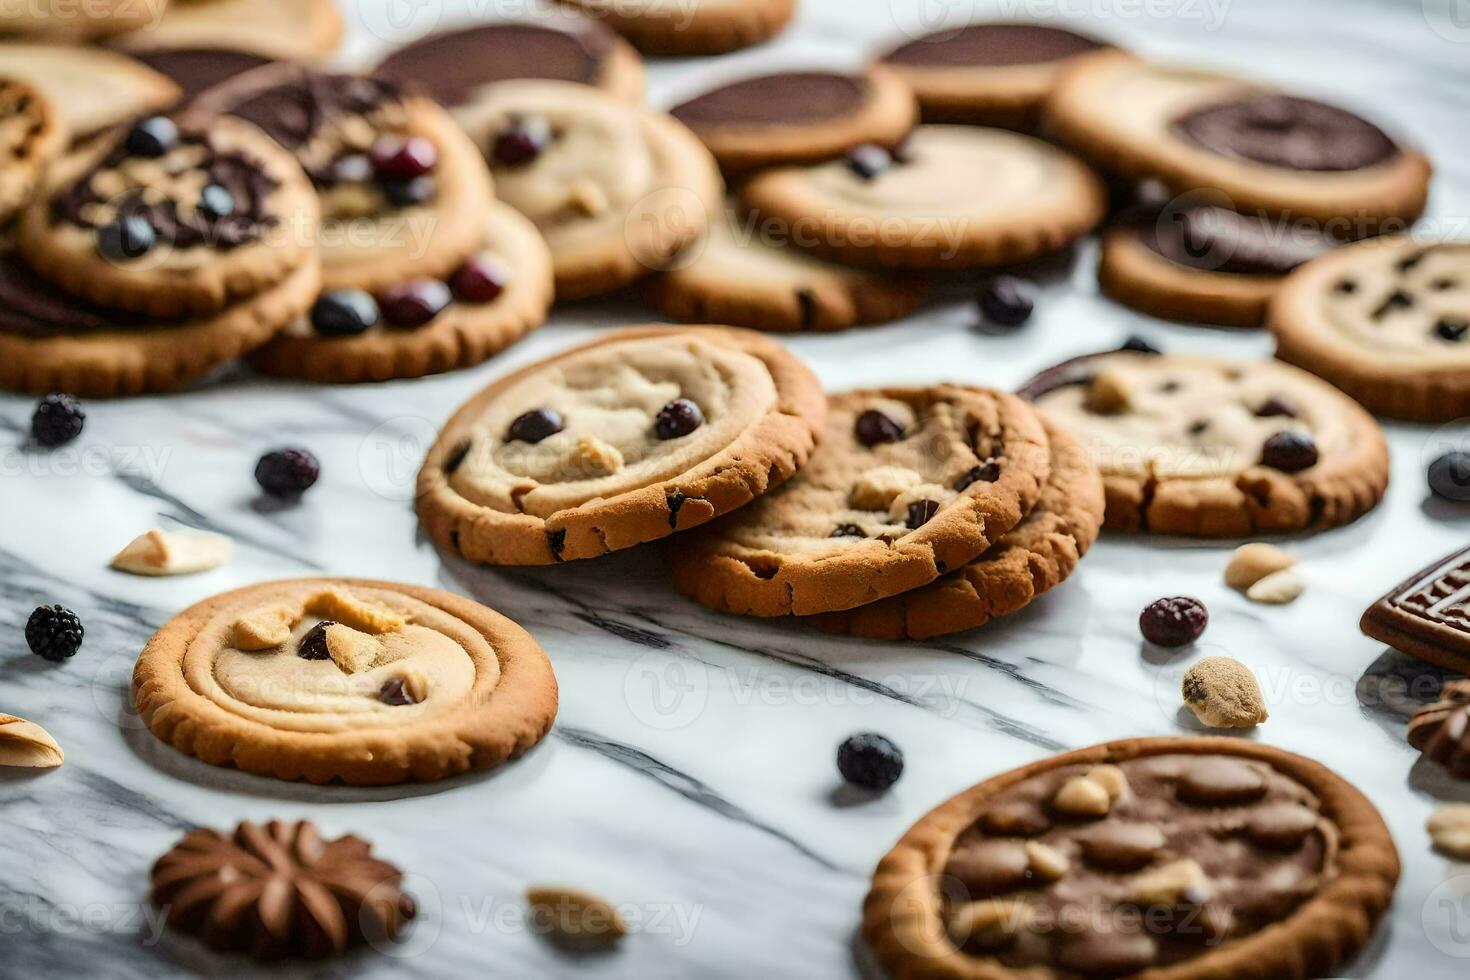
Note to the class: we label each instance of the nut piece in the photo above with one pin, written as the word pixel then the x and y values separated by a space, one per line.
pixel 343 607
pixel 598 457
pixel 28 745
pixel 588 198
pixel 1223 693
pixel 1278 588
pixel 1449 829
pixel 876 488
pixel 1253 562
pixel 1175 883
pixel 173 553
pixel 989 923
pixel 1108 394
pixel 264 629
pixel 1047 862
pixel 571 915
pixel 1082 797
pixel 1110 778
pixel 352 651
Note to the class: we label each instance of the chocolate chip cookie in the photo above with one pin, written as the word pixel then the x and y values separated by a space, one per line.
pixel 953 197
pixel 91 89
pixel 633 437
pixel 909 483
pixel 691 27
pixel 31 136
pixel 1264 150
pixel 799 117
pixel 1217 448
pixel 345 679
pixel 1032 558
pixel 1387 321
pixel 1170 858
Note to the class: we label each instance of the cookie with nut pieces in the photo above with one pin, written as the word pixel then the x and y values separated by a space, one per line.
pixel 1246 860
pixel 348 680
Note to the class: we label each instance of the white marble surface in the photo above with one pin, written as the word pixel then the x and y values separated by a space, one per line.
pixel 690 777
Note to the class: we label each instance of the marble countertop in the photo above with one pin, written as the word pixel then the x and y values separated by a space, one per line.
pixel 690 776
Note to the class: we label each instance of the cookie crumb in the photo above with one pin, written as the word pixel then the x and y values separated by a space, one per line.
pixel 1278 588
pixel 343 607
pixel 1253 562
pixel 27 745
pixel 1223 693
pixel 352 651
pixel 264 629
pixel 173 553
pixel 1449 829
pixel 598 457
pixel 575 916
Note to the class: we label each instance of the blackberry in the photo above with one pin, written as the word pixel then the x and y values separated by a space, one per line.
pixel 871 761
pixel 287 472
pixel 54 632
pixel 58 419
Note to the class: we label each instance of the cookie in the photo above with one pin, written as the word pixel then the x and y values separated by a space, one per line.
pixel 908 484
pixel 615 189
pixel 90 88
pixel 280 30
pixel 1031 559
pixel 561 45
pixel 987 74
pixel 1205 264
pixel 31 136
pixel 67 21
pixel 799 117
pixel 1441 731
pixel 1264 150
pixel 403 191
pixel 740 276
pixel 1387 321
pixel 53 341
pixel 1166 858
pixel 172 220
pixel 633 437
pixel 1217 448
pixel 279 890
pixel 691 27
pixel 353 680
pixel 955 197
pixel 425 326
pixel 1428 616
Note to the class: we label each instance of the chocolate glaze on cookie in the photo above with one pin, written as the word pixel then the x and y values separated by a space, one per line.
pixel 32 307
pixel 195 69
pixel 1287 131
pixel 993 45
pixel 294 111
pixel 789 97
pixel 453 65
pixel 1214 239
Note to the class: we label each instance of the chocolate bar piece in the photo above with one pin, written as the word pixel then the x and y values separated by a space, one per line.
pixel 1428 616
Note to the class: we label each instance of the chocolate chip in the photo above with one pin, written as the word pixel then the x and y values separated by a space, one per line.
pixel 216 202
pixel 921 512
pixel 869 161
pixel 847 531
pixel 1449 477
pixel 522 141
pixel 535 425
pixel 1451 329
pixel 1006 302
pixel 1346 286
pixel 1289 452
pixel 407 193
pixel 1276 407
pixel 395 692
pixel 1407 264
pixel 806 302
pixel 678 418
pixel 984 473
pixel 413 304
pixel 675 503
pixel 152 137
pixel 1139 345
pixel 1169 387
pixel 313 645
pixel 1444 284
pixel 126 238
pixel 1198 427
pixel 873 427
pixel 556 541
pixel 1396 300
pixel 344 313
pixel 1220 782
pixel 1174 622
pixel 456 458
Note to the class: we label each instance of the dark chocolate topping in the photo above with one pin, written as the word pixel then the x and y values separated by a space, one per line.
pixel 789 97
pixel 452 65
pixel 1218 240
pixel 32 307
pixel 294 111
pixel 1286 131
pixel 992 45
pixel 1073 371
pixel 196 69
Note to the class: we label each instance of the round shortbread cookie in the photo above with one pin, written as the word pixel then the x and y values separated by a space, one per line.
pixel 90 88
pixel 1387 321
pixel 31 136
pixel 909 483
pixel 1217 448
pixel 1263 150
pixel 691 27
pixel 279 30
pixel 954 197
pixel 639 434
pixel 1032 558
pixel 401 683
pixel 795 118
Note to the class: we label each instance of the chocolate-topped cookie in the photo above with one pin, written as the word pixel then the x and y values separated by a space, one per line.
pixel 31 136
pixel 799 117
pixel 1428 615
pixel 278 30
pixel 691 27
pixel 1217 448
pixel 1265 151
pixel 1171 858
pixel 1386 320
pixel 91 89
pixel 1441 731
pixel 196 70
pixel 908 484
pixel 561 45
pixel 987 74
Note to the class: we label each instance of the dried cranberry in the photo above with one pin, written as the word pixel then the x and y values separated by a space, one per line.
pixel 1174 622
pixel 399 158
pixel 480 280
pixel 413 304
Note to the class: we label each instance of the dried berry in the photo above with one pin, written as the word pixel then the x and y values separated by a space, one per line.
pixel 1174 622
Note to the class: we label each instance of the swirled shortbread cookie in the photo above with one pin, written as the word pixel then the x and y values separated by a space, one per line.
pixel 172 219
pixel 1217 448
pixel 803 117
pixel 403 191
pixel 1166 858
pixel 989 74
pixel 31 136
pixel 1032 558
pixel 281 30
pixel 1388 322
pixel 560 45
pixel 642 433
pixel 738 275
pixel 1264 150
pixel 91 89
pixel 1205 264
pixel 953 197
pixel 70 21
pixel 424 326
pixel 345 679
pixel 691 27
pixel 909 483
pixel 615 189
